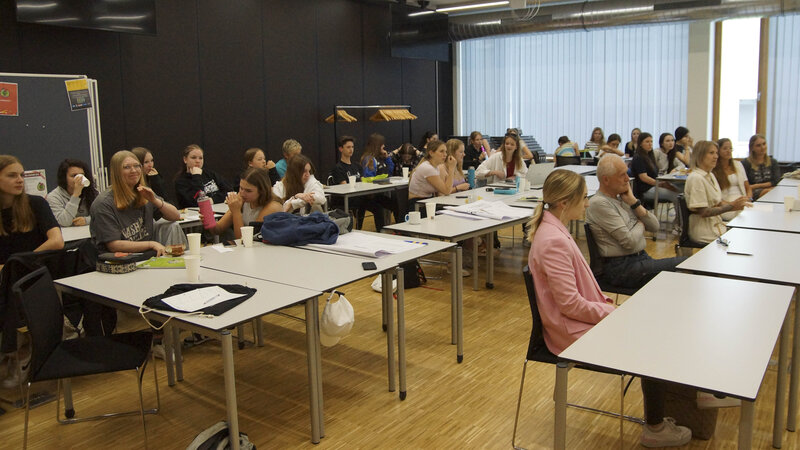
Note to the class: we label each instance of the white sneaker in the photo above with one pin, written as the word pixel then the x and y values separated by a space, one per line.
pixel 707 401
pixel 670 435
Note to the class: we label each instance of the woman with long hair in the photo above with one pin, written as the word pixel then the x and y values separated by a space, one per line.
pixel 71 200
pixel 405 156
pixel 477 150
pixel 569 299
pixel 731 177
pixel 426 181
pixel 255 157
pixel 27 222
pixel 611 146
pixel 455 148
pixel 683 145
pixel 299 189
pixel 762 170
pixel 666 155
pixel 645 173
pixel 633 144
pixel 704 197
pixel 506 163
pixel 151 176
pixel 123 217
pixel 193 180
pixel 252 203
pixel 375 160
pixel 597 140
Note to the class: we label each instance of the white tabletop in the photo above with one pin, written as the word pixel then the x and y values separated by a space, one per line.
pixel 777 194
pixel 134 288
pixel 767 216
pixel 452 228
pixel 715 334
pixel 673 178
pixel 789 182
pixel 218 208
pixel 316 270
pixel 764 264
pixel 580 170
pixel 75 233
pixel 481 193
pixel 361 188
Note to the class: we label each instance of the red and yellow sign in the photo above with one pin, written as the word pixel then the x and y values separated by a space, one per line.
pixel 9 102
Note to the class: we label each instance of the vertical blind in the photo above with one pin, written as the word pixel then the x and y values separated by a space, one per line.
pixel 567 83
pixel 783 99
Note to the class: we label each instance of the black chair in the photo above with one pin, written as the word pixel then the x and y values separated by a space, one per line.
pixel 537 351
pixel 55 359
pixel 596 264
pixel 684 241
pixel 567 160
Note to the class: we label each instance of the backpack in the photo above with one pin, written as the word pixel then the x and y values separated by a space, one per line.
pixel 216 437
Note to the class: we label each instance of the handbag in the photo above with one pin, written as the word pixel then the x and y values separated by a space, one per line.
pixel 217 437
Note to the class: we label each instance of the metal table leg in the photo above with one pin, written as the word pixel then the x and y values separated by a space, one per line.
pixel 560 441
pixel 168 342
pixel 490 263
pixel 454 273
pixel 459 302
pixel 780 389
pixel 314 378
pixel 177 353
pixel 230 388
pixel 386 287
pixel 795 373
pixel 259 324
pixel 401 333
pixel 746 425
pixel 475 262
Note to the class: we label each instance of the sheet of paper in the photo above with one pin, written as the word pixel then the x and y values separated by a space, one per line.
pixel 364 244
pixel 460 215
pixel 198 299
pixel 491 210
pixel 221 248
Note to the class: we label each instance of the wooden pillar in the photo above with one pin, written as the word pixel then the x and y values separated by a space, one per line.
pixel 763 64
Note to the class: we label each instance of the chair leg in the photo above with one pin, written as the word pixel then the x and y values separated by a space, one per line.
pixel 139 376
pixel 519 403
pixel 27 411
pixel 621 411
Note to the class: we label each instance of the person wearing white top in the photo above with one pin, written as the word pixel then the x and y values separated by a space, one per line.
pixel 504 164
pixel 731 177
pixel 426 180
pixel 299 189
pixel 704 197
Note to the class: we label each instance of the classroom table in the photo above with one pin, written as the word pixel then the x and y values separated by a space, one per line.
pixel 129 291
pixel 482 193
pixel 789 182
pixel 760 263
pixel 767 216
pixel 579 169
pixel 218 208
pixel 82 232
pixel 456 229
pixel 777 194
pixel 714 334
pixel 347 190
pixel 323 271
pixel 669 178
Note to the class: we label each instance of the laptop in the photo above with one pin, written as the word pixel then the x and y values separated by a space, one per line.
pixel 537 173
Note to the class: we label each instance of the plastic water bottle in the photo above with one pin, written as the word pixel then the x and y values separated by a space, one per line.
pixel 471 177
pixel 516 180
pixel 204 203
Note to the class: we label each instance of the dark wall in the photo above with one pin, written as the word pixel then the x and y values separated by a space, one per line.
pixel 232 77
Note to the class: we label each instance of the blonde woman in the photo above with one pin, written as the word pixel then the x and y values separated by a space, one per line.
pixel 504 164
pixel 731 177
pixel 455 148
pixel 123 216
pixel 597 140
pixel 761 169
pixel 569 299
pixel 426 180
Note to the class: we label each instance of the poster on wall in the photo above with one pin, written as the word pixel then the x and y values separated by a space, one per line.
pixel 35 182
pixel 78 94
pixel 9 102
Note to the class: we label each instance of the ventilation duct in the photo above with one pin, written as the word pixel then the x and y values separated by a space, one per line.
pixel 596 14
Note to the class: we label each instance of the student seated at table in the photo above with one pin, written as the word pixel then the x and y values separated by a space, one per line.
pixel 684 145
pixel 566 147
pixel 645 173
pixel 477 150
pixel 596 141
pixel 633 144
pixel 504 164
pixel 151 176
pixel 290 148
pixel 666 155
pixel 611 146
pixel 618 222
pixel 406 156
pixel 70 201
pixel 570 301
pixel 252 203
pixel 704 197
pixel 123 216
pixel 340 174
pixel 194 179
pixel 426 180
pixel 731 176
pixel 427 137
pixel 299 191
pixel 455 148
pixel 375 160
pixel 255 157
pixel 524 151
pixel 762 170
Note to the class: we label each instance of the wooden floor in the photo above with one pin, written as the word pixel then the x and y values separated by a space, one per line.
pixel 449 405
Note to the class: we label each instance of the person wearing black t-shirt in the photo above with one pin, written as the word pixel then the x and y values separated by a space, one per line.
pixel 189 183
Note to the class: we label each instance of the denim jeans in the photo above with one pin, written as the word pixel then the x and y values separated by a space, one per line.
pixel 634 271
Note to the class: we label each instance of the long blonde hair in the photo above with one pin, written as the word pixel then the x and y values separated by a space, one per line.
pixel 22 219
pixel 561 185
pixel 125 196
pixel 452 147
pixel 751 144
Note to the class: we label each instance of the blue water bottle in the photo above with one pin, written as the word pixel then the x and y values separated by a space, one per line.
pixel 471 177
pixel 517 182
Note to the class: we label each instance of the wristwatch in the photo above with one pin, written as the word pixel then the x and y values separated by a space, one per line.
pixel 636 205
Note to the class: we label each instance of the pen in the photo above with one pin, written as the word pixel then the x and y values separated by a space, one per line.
pixel 210 300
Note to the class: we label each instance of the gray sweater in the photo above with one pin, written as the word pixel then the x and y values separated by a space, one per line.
pixel 66 207
pixel 616 228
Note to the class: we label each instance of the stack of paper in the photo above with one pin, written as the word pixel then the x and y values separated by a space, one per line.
pixel 366 244
pixel 490 210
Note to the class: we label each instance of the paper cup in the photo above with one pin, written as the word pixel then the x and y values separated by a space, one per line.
pixel 430 210
pixel 788 203
pixel 413 217
pixel 405 173
pixel 247 236
pixel 194 243
pixel 192 263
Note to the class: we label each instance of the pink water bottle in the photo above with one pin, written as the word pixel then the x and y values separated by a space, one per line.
pixel 204 203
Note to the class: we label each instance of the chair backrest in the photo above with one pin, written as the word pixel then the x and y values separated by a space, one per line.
pixel 37 296
pixel 683 219
pixel 537 330
pixel 568 160
pixel 595 263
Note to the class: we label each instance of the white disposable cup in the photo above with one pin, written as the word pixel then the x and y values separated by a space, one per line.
pixel 351 179
pixel 194 243
pixel 192 263
pixel 788 203
pixel 430 210
pixel 405 173
pixel 247 236
pixel 413 217
pixel 472 197
pixel 84 181
pixel 523 185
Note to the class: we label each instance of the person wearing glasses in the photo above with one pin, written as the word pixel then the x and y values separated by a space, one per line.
pixel 123 216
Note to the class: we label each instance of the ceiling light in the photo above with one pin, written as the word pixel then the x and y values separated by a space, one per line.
pixel 473 6
pixel 420 13
pixel 614 11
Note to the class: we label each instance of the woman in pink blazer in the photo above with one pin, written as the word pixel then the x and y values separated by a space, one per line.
pixel 569 299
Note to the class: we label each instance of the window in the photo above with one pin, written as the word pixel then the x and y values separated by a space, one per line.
pixel 783 116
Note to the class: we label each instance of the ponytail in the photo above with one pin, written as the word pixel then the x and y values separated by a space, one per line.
pixel 535 221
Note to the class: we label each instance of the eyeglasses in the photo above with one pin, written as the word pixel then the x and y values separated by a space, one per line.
pixel 132 167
